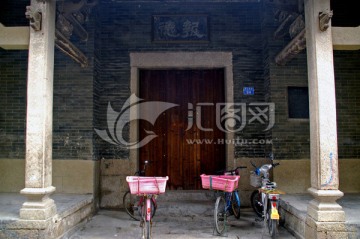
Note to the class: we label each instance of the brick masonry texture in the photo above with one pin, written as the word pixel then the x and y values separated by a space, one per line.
pixel 13 72
pixel 81 95
pixel 127 27
pixel 290 138
pixel 347 82
pixel 73 97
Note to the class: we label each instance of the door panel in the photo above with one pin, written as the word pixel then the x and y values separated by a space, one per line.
pixel 170 153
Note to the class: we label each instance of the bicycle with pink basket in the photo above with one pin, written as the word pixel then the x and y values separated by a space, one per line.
pixel 228 202
pixel 147 188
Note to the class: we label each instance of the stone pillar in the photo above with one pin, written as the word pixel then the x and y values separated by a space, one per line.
pixel 38 165
pixel 325 218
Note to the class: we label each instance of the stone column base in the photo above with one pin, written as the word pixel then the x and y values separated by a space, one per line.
pixel 325 217
pixel 324 230
pixel 38 205
pixel 324 208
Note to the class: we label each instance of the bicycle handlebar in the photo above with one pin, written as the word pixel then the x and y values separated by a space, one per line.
pixel 252 163
pixel 142 172
pixel 271 157
pixel 235 171
pixel 275 164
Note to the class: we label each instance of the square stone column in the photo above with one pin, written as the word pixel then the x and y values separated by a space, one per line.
pixel 325 217
pixel 38 164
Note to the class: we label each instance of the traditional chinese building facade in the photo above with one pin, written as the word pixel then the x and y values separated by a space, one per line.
pixel 92 89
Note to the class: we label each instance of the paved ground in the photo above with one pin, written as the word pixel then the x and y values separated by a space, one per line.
pixel 117 224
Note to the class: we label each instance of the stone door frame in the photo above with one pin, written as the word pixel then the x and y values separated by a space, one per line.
pixel 180 60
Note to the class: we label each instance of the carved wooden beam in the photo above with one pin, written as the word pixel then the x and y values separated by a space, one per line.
pixel 64 44
pixel 292 49
pixel 71 16
pixel 67 10
pixel 283 28
pixel 297 26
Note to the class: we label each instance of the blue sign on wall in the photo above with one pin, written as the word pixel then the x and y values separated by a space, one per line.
pixel 248 91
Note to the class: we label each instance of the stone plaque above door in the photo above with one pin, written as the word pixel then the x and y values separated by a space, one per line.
pixel 180 28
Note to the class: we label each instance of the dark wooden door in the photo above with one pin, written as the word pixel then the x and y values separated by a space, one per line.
pixel 173 153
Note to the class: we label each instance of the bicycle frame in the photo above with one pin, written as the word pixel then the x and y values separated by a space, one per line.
pixel 228 203
pixel 265 200
pixel 132 207
pixel 145 217
pixel 148 209
pixel 142 199
pixel 236 193
pixel 228 200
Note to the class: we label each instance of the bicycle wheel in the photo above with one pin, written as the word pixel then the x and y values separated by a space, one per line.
pixel 131 207
pixel 146 223
pixel 235 204
pixel 271 224
pixel 256 203
pixel 148 232
pixel 220 215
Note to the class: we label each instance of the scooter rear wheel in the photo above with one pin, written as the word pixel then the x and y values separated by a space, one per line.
pixel 256 203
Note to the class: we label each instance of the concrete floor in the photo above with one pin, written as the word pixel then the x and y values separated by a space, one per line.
pixel 173 219
pixel 117 224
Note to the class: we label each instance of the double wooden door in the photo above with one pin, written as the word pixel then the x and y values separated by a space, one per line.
pixel 188 142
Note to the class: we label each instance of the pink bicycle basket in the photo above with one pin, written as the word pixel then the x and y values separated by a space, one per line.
pixel 146 185
pixel 226 183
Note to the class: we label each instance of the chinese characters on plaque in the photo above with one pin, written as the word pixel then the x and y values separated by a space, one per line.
pixel 180 28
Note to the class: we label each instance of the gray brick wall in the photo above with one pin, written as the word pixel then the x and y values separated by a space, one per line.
pixel 81 95
pixel 13 72
pixel 347 81
pixel 73 96
pixel 73 101
pixel 126 27
pixel 291 137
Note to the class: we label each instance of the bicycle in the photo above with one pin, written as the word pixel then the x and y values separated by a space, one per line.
pixel 132 202
pixel 228 202
pixel 265 199
pixel 147 188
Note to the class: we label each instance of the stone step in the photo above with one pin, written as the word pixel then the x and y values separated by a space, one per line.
pixel 186 203
pixel 187 195
pixel 185 208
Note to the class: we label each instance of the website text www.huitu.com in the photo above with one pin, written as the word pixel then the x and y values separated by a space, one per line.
pixel 236 142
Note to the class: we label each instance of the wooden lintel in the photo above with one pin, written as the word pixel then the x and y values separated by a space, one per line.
pixel 346 38
pixel 14 38
pixel 291 6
